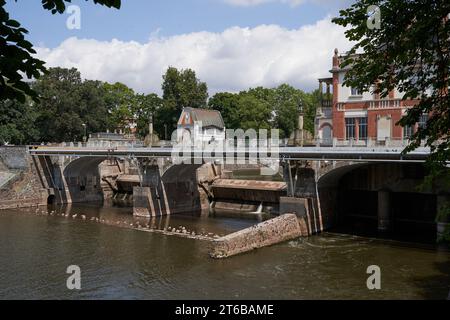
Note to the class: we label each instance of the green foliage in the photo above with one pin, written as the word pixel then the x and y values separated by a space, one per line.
pixel 181 89
pixel 16 59
pixel 17 122
pixel 16 53
pixel 66 103
pixel 264 108
pixel 148 106
pixel 254 112
pixel 120 102
pixel 229 106
pixel 310 102
pixel 409 52
pixel 59 6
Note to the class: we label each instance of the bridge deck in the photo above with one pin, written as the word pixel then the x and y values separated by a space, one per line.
pixel 287 153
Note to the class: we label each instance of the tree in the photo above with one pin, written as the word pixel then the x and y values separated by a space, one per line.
pixel 253 113
pixel 310 102
pixel 275 108
pixel 147 106
pixel 92 106
pixel 245 110
pixel 181 89
pixel 410 52
pixel 17 122
pixel 120 102
pixel 16 60
pixel 228 105
pixel 285 102
pixel 66 104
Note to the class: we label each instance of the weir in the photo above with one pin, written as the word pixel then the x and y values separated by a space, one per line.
pixel 348 194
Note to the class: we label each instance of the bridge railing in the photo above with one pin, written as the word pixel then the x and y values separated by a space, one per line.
pixel 370 142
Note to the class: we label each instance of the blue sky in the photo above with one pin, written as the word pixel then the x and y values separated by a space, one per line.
pixel 153 35
pixel 137 19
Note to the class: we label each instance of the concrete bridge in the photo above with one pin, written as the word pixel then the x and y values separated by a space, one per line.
pixel 284 153
pixel 328 186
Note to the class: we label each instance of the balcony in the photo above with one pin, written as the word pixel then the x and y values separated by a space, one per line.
pixel 373 104
pixel 326 103
pixel 385 104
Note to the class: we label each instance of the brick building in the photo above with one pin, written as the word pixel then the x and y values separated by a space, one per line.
pixel 346 116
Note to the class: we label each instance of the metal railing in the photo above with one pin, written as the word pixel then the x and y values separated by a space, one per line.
pixel 368 142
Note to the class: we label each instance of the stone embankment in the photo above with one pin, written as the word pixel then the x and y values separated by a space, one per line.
pixel 20 185
pixel 280 229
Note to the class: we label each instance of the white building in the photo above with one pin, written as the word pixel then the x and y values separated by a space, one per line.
pixel 201 126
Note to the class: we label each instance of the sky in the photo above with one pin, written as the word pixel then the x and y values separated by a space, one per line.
pixel 231 44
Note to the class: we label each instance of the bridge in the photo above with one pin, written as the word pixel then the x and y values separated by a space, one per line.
pixel 327 185
pixel 367 154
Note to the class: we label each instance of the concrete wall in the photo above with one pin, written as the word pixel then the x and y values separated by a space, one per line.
pixel 14 158
pixel 25 189
pixel 176 191
pixel 267 233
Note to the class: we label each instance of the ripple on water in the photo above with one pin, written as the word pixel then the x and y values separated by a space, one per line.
pixel 119 262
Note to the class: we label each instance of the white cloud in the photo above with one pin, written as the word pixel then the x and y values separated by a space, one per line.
pixel 233 60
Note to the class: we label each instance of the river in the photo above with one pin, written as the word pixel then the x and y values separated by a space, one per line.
pixel 120 262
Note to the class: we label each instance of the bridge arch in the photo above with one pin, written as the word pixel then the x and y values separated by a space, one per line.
pixel 82 178
pixel 369 198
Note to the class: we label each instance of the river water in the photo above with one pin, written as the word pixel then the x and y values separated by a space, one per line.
pixel 118 261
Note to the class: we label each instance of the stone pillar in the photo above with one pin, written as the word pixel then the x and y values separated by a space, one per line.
pixel 150 199
pixel 443 220
pixel 384 210
pixel 335 142
pixel 288 178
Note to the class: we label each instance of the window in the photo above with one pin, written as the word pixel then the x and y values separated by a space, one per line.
pixel 350 128
pixel 355 92
pixel 362 126
pixel 423 121
pixel 407 132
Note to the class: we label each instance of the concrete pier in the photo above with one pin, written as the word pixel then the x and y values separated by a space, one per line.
pixel 280 229
pixel 384 207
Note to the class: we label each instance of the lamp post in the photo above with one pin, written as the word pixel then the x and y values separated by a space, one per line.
pixel 150 129
pixel 299 136
pixel 85 132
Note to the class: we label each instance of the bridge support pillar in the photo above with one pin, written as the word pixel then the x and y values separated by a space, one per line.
pixel 384 210
pixel 150 199
pixel 148 203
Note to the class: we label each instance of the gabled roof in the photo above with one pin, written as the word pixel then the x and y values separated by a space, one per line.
pixel 209 118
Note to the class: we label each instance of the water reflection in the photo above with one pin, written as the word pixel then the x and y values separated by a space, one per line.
pixel 123 217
